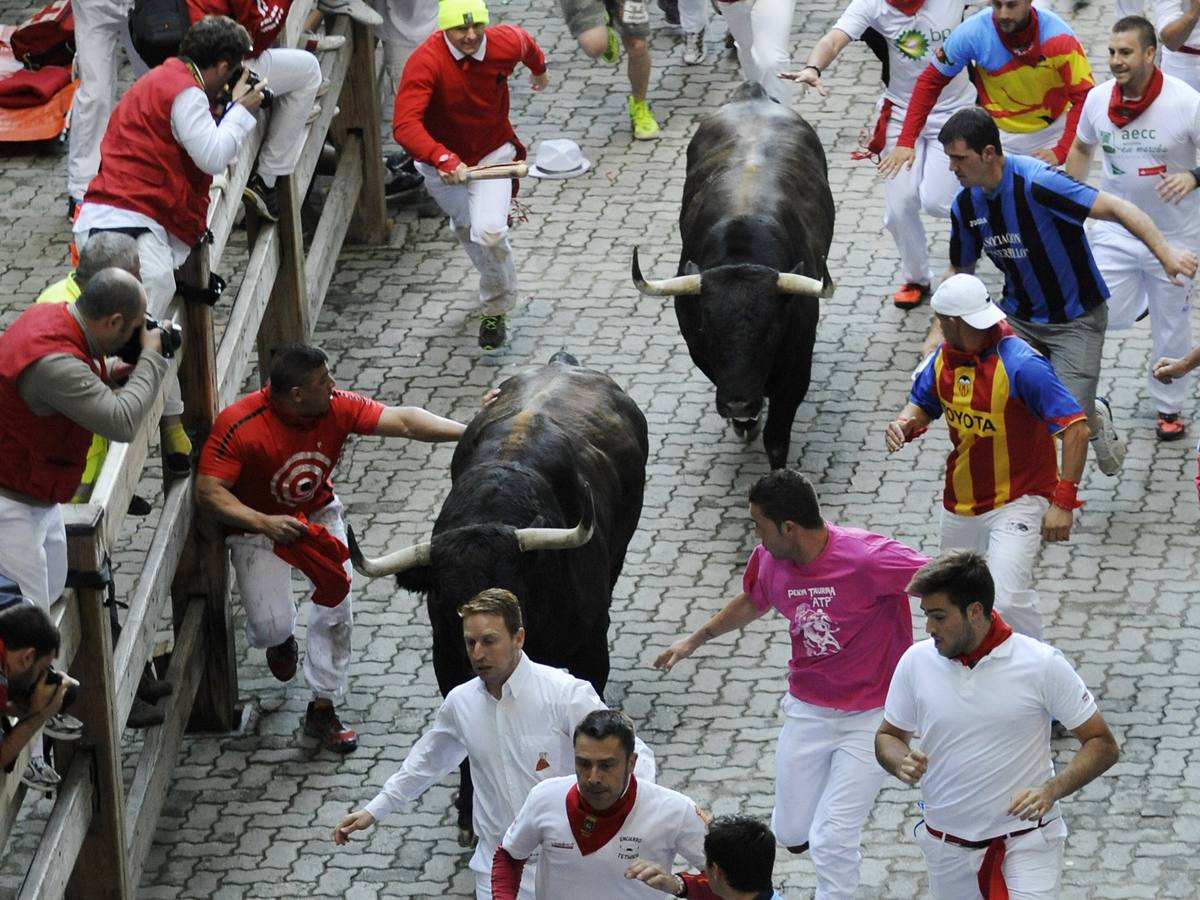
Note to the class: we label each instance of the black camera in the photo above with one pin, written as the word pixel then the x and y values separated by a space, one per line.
pixel 252 79
pixel 54 677
pixel 172 340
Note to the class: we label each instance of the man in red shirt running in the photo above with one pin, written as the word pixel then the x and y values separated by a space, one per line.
pixel 264 472
pixel 452 112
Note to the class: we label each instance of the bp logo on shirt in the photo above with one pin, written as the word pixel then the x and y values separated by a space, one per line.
pixel 912 44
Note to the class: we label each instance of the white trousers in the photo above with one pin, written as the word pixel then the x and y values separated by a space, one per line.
pixel 928 186
pixel 693 15
pixel 33 549
pixel 406 23
pixel 1010 537
pixel 1029 141
pixel 294 77
pixel 1138 283
pixel 1183 66
pixel 1032 865
pixel 483 884
pixel 826 780
pixel 478 212
pixel 762 30
pixel 100 27
pixel 265 583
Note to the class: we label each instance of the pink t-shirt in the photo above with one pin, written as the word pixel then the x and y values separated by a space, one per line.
pixel 849 615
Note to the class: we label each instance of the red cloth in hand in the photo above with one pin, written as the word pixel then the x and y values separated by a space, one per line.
pixel 506 875
pixel 26 89
pixel 321 557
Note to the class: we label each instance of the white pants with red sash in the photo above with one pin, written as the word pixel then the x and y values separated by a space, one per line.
pixel 1032 865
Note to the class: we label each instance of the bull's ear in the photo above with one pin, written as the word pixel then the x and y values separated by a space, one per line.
pixel 690 268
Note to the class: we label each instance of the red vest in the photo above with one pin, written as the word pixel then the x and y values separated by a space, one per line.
pixel 40 456
pixel 142 167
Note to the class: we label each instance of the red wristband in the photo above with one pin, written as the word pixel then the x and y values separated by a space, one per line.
pixel 1064 495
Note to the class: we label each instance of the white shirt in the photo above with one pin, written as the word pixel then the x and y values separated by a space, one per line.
pixel 211 145
pixel 662 824
pixel 912 41
pixel 513 743
pixel 985 730
pixel 1161 141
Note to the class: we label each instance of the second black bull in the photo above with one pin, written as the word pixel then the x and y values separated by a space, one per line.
pixel 547 485
pixel 756 225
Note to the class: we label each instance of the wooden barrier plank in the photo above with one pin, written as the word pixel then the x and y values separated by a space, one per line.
pixel 286 320
pixel 152 778
pixel 151 593
pixel 233 357
pixel 360 114
pixel 334 67
pixel 335 221
pixel 63 838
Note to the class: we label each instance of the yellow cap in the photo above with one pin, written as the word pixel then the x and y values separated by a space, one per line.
pixel 456 13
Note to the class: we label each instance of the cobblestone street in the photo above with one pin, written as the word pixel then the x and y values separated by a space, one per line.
pixel 251 814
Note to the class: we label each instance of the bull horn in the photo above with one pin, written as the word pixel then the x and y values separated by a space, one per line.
pixel 791 283
pixel 392 564
pixel 561 538
pixel 678 286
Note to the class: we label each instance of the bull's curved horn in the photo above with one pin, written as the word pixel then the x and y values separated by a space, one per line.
pixel 392 564
pixel 679 286
pixel 791 283
pixel 561 538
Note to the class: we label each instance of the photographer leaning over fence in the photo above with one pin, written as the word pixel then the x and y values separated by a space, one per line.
pixel 30 690
pixel 158 156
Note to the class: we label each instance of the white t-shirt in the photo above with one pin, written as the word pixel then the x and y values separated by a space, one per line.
pixel 985 730
pixel 912 42
pixel 1166 12
pixel 1161 141
pixel 662 824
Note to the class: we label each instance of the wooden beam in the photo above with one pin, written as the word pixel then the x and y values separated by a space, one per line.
pixel 286 320
pixel 334 67
pixel 63 836
pixel 359 101
pixel 335 221
pixel 101 859
pixel 152 778
pixel 233 357
pixel 150 596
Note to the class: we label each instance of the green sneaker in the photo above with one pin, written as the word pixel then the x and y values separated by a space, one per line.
pixel 612 52
pixel 645 128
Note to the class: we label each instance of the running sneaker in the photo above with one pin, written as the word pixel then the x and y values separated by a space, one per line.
pixel 282 659
pixel 612 51
pixel 670 9
pixel 910 295
pixel 262 198
pixel 492 332
pixel 322 722
pixel 355 9
pixel 693 47
pixel 1107 445
pixel 64 727
pixel 1170 426
pixel 322 43
pixel 645 128
pixel 39 776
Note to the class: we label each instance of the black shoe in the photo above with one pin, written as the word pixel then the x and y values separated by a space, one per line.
pixel 139 506
pixel 152 689
pixel 323 723
pixel 401 182
pixel 282 659
pixel 399 161
pixel 262 198
pixel 492 332
pixel 144 715
pixel 670 10
pixel 178 465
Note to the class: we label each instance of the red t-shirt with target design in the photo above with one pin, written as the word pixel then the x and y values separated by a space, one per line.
pixel 277 464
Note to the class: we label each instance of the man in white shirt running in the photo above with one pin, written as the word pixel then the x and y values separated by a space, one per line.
pixel 914 31
pixel 1148 124
pixel 592 827
pixel 515 724
pixel 982 699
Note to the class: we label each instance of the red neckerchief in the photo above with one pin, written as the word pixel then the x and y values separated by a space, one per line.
pixel 908 7
pixel 1000 632
pixel 956 358
pixel 593 829
pixel 1023 44
pixel 1121 111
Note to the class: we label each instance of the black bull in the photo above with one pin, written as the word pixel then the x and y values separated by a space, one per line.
pixel 756 224
pixel 557 461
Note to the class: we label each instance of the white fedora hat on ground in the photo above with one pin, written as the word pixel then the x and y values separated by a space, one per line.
pixel 558 158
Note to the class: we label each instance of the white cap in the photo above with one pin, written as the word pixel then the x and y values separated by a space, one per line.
pixel 559 158
pixel 966 297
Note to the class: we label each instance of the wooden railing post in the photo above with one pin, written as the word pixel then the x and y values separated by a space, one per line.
pixel 101 869
pixel 359 103
pixel 286 319
pixel 204 568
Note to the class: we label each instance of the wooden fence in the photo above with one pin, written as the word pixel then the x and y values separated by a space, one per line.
pixel 98 835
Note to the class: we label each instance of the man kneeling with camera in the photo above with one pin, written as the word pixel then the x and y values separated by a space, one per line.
pixel 54 395
pixel 31 691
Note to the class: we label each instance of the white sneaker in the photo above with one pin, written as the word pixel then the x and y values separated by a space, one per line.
pixel 693 47
pixel 355 9
pixel 1107 445
pixel 64 727
pixel 40 776
pixel 321 43
pixel 313 113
